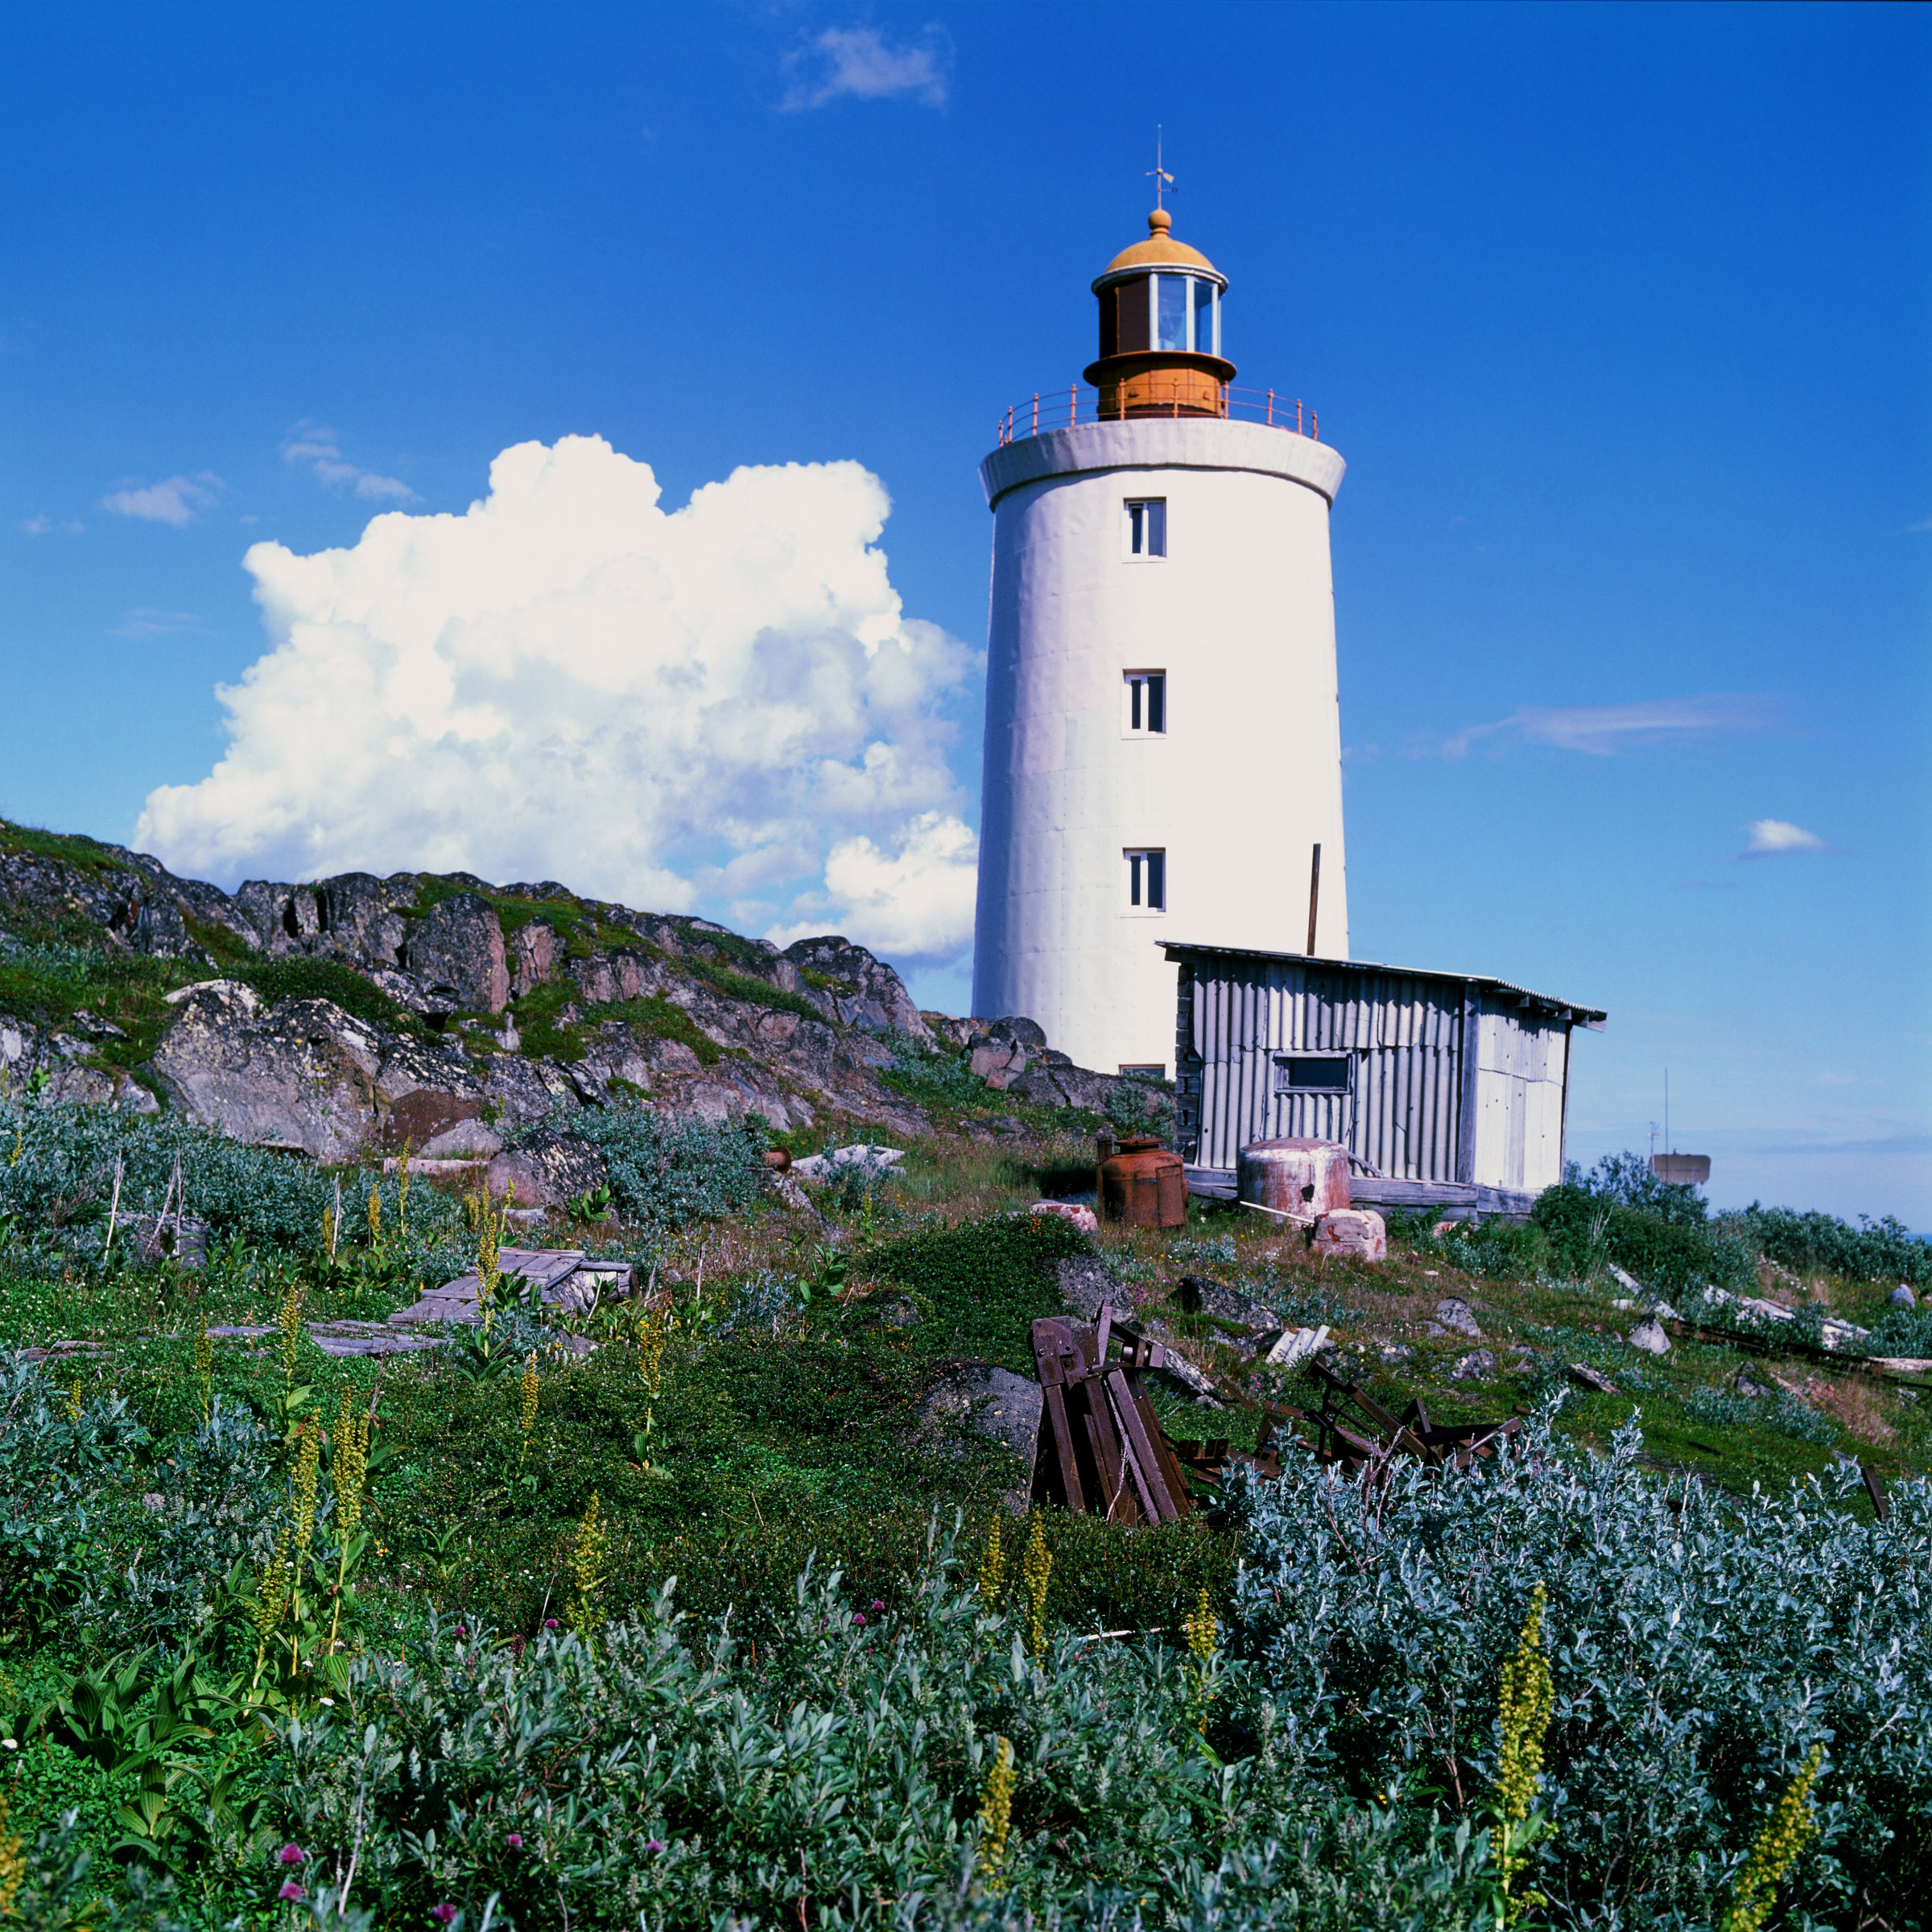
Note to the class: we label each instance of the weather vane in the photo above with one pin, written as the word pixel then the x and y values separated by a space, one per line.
pixel 1163 182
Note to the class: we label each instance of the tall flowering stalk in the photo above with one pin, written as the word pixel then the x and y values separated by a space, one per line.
pixel 1775 1850
pixel 301 1503
pixel 653 1328
pixel 1526 1699
pixel 527 1405
pixel 1203 1630
pixel 349 1467
pixel 271 1597
pixel 289 1321
pixel 489 1222
pixel 996 1813
pixel 402 1190
pixel 13 1860
pixel 992 1567
pixel 375 1214
pixel 1034 1573
pixel 586 1612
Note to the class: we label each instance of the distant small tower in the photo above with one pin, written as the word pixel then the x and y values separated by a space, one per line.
pixel 1163 747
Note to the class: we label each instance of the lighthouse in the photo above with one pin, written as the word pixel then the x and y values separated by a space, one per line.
pixel 1163 742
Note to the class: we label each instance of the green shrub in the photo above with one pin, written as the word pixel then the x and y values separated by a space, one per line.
pixel 58 1186
pixel 667 1173
pixel 1821 1244
pixel 1675 1256
pixel 661 1777
pixel 1629 1180
pixel 1905 1331
pixel 933 1079
pixel 986 1282
pixel 1701 1645
pixel 60 1464
pixel 295 978
pixel 1782 1413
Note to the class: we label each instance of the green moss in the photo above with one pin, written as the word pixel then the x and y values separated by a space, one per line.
pixel 51 985
pixel 664 1019
pixel 304 978
pixel 88 854
pixel 987 1282
pixel 227 950
pixel 753 992
pixel 730 947
pixel 538 1015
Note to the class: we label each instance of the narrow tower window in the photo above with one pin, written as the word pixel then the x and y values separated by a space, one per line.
pixel 1147 880
pixel 1145 694
pixel 1147 527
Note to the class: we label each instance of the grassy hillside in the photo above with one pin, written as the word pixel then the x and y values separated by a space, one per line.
pixel 758 1457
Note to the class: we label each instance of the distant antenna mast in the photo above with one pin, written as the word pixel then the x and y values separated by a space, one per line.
pixel 1163 182
pixel 1668 1148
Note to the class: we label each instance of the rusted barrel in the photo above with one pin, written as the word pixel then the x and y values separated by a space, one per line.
pixel 1143 1185
pixel 1294 1176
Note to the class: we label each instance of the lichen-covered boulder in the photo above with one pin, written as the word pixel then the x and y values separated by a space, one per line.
pixel 863 988
pixel 548 1170
pixel 456 950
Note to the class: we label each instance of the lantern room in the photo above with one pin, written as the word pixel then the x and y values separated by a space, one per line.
pixel 1161 330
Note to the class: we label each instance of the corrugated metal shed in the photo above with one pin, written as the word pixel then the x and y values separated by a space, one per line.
pixel 1449 1089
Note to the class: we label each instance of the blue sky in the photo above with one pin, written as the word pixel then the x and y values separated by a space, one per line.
pixel 1619 317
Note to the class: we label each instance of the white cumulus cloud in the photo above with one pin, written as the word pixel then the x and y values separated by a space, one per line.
pixel 317 449
pixel 859 63
pixel 912 899
pixel 709 705
pixel 1769 837
pixel 176 500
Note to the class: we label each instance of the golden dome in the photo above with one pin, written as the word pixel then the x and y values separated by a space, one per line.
pixel 1160 251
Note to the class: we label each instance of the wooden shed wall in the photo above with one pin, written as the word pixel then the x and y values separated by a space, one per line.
pixel 1404 1113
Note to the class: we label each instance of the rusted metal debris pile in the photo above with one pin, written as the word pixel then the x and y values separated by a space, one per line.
pixel 1102 1451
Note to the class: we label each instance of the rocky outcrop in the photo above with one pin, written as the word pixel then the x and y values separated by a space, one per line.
pixel 302 1073
pixel 54 1066
pixel 548 1170
pixel 491 1009
pixel 863 990
pixel 456 950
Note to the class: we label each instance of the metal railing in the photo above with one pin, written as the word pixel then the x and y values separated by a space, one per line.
pixel 1067 408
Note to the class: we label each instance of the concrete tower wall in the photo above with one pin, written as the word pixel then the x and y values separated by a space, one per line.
pixel 1244 782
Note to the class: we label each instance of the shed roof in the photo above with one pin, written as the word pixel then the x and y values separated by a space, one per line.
pixel 1592 1016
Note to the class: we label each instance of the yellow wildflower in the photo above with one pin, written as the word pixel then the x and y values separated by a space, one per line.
pixel 1203 1630
pixel 586 1612
pixel 1037 1569
pixel 290 1324
pixel 996 1812
pixel 1524 1703
pixel 308 1465
pixel 13 1863
pixel 204 1367
pixel 1775 1850
pixel 992 1567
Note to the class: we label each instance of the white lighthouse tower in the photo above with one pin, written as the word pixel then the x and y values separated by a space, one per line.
pixel 1163 746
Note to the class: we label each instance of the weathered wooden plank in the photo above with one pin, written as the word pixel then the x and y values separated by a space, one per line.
pixel 1161 1506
